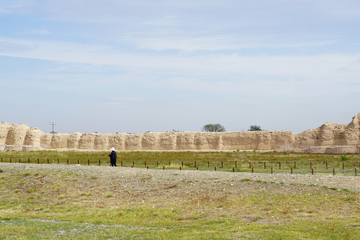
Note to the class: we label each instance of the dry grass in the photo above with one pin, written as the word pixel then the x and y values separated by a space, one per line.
pixel 200 205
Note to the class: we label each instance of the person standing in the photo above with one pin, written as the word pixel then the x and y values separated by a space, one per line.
pixel 113 157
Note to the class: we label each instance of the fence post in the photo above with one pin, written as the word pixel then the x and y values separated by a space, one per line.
pixel 264 165
pixel 28 160
pixel 326 165
pixel 272 171
pixel 47 161
pixel 58 161
pixel 233 169
pixel 88 162
pixel 38 161
pixel 294 165
pixel 222 164
pixel 19 160
pixel 78 161
pixel 279 165
pixel 333 171
pixel 215 169
pixel 291 171
pixel 121 163
pixel 133 163
pixel 163 167
pixel 180 168
pixel 169 164
pixel 195 164
pixel 67 161
pixel 235 164
pixel 252 170
pixel 312 171
pixel 343 166
pixel 10 160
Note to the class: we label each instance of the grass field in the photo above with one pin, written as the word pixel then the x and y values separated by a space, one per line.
pixel 300 163
pixel 44 204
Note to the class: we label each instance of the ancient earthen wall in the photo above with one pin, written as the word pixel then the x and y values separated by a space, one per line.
pixel 333 135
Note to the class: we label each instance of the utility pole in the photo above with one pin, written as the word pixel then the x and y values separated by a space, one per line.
pixel 52 127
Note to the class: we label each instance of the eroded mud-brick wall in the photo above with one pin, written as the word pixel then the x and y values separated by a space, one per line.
pixel 329 134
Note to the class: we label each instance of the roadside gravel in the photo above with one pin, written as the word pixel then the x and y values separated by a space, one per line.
pixel 169 177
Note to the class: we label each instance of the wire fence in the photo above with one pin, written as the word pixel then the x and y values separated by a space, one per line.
pixel 313 168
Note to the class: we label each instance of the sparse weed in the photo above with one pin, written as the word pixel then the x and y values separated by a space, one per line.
pixel 31 190
pixel 350 199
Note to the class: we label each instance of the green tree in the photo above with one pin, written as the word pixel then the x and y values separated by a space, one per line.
pixel 213 127
pixel 255 128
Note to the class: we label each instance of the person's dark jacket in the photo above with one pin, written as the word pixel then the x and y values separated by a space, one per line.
pixel 113 156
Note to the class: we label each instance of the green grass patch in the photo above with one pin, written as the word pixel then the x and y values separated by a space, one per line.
pixel 46 204
pixel 245 180
pixel 205 161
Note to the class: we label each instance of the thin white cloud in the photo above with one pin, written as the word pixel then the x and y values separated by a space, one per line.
pixel 34 32
pixel 211 42
pixel 325 67
pixel 15 6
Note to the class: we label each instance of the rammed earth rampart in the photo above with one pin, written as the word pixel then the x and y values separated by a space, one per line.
pixel 22 137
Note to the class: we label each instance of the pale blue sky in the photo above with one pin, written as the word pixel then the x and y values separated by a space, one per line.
pixel 136 66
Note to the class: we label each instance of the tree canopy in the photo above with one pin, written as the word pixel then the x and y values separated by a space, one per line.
pixel 213 127
pixel 255 128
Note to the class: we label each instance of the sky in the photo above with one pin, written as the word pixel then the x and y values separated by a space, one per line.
pixel 135 66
